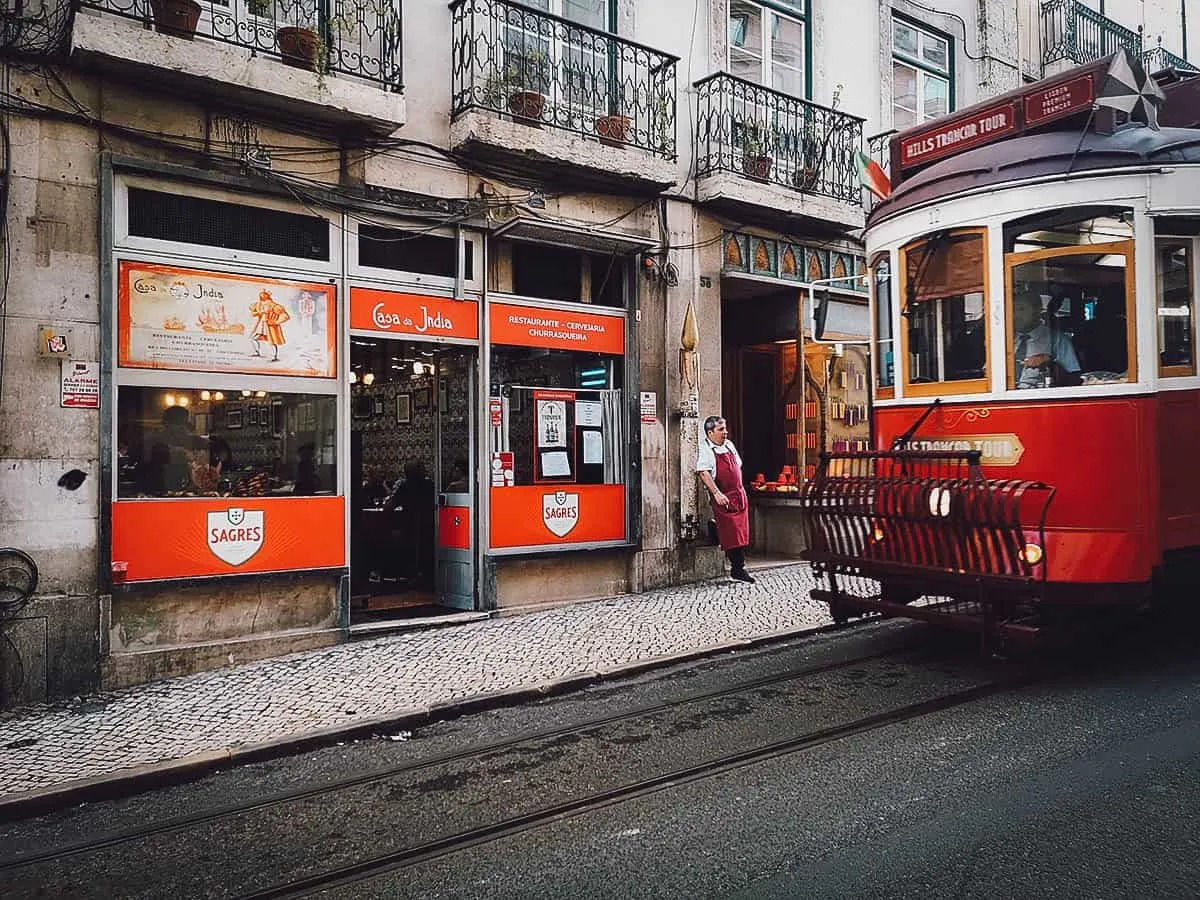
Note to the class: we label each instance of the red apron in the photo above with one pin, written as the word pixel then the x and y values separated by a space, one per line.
pixel 733 521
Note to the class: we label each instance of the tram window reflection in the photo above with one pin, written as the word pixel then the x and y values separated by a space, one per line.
pixel 1072 227
pixel 1069 317
pixel 945 310
pixel 1175 307
pixel 885 348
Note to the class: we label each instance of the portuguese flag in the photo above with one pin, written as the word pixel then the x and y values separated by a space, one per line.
pixel 872 176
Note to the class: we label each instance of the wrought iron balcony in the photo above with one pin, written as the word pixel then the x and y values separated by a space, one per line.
pixel 540 69
pixel 879 148
pixel 772 137
pixel 341 37
pixel 1157 59
pixel 1078 34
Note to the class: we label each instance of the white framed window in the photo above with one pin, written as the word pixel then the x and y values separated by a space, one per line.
pixel 922 74
pixel 767 44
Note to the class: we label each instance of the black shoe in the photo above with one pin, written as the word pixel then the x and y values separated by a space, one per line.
pixel 742 575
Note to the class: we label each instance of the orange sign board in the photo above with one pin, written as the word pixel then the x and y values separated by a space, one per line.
pixel 393 312
pixel 534 516
pixel 532 326
pixel 227 536
pixel 193 320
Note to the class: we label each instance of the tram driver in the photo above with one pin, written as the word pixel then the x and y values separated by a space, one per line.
pixel 1044 356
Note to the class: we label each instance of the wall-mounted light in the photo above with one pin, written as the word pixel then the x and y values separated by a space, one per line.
pixel 168 399
pixel 353 377
pixel 183 399
pixel 205 395
pixel 420 368
pixel 218 396
pixel 260 393
pixel 245 393
pixel 369 378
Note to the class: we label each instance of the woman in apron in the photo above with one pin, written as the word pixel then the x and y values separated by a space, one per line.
pixel 720 469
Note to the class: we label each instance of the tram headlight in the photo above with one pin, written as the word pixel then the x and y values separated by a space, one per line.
pixel 1032 554
pixel 939 502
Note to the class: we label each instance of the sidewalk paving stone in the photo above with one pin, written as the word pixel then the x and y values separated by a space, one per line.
pixel 107 736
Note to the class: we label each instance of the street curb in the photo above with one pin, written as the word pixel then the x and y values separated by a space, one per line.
pixel 193 767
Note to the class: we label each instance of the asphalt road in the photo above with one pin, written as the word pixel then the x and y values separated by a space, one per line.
pixel 1081 782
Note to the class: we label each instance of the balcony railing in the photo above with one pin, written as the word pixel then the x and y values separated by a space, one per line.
pixel 545 70
pixel 879 148
pixel 1073 32
pixel 352 37
pixel 1157 60
pixel 768 136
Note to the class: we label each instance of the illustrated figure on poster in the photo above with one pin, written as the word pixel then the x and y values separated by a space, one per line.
pixel 269 316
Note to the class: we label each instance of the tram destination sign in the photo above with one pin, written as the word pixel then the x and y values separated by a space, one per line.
pixel 959 133
pixel 1060 100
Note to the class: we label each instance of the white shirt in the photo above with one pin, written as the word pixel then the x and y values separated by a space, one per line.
pixel 1043 340
pixel 706 459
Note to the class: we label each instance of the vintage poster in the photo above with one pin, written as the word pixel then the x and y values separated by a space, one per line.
pixel 551 422
pixel 175 318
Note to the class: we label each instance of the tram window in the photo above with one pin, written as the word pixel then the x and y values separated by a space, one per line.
pixel 1069 316
pixel 945 310
pixel 1176 308
pixel 885 350
pixel 1069 228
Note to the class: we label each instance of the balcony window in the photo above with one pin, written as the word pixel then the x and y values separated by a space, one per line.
pixel 922 74
pixel 767 44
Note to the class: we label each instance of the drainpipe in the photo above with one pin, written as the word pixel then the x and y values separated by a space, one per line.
pixel 1183 24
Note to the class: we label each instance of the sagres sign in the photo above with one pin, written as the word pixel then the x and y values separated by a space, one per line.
pixel 236 534
pixel 560 512
pixel 994 449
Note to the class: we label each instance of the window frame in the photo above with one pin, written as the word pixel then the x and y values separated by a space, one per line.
pixel 967 385
pixel 787 11
pixel 882 392
pixel 1188 369
pixel 922 68
pixel 1124 248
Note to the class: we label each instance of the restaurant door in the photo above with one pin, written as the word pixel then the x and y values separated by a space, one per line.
pixel 412 450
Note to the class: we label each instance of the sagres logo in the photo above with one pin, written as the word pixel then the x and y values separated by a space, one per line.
pixel 236 534
pixel 560 512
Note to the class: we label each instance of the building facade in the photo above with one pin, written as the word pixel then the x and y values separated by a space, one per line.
pixel 355 309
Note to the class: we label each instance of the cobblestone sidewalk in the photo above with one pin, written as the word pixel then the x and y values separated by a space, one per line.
pixel 180 721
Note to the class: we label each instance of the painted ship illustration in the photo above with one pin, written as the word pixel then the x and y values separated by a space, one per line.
pixel 214 321
pixel 174 323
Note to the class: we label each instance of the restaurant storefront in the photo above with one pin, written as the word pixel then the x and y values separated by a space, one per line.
pixel 389 422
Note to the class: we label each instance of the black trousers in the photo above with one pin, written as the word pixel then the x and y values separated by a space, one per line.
pixel 737 558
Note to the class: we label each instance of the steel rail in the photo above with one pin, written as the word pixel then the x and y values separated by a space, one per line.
pixel 382 864
pixel 229 811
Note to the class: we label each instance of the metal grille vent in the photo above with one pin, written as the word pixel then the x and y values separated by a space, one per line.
pixel 232 226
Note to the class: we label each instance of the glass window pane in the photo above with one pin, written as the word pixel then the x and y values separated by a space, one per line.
pixel 905 38
pixel 937 96
pixel 885 367
pixel 787 41
pixel 946 309
pixel 962 337
pixel 904 86
pixel 593 13
pixel 787 81
pixel 745 26
pixel 1175 307
pixel 1069 320
pixel 903 118
pixel 206 442
pixel 745 65
pixel 935 51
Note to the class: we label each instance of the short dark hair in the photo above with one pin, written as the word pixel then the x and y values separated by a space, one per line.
pixel 710 424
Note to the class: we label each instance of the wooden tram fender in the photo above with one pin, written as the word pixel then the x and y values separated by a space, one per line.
pixel 1066 483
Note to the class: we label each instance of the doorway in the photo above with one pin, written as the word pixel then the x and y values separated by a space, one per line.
pixel 412 447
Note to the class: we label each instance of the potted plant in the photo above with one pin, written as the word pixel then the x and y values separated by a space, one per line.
pixel 176 17
pixel 614 129
pixel 521 84
pixel 755 142
pixel 302 46
pixel 812 150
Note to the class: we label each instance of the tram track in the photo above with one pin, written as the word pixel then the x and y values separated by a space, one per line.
pixel 229 811
pixel 396 861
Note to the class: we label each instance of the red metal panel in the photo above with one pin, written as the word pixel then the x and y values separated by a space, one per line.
pixel 1179 486
pixel 454 527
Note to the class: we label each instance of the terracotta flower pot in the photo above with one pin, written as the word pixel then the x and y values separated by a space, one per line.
pixel 614 129
pixel 758 166
pixel 526 104
pixel 299 47
pixel 176 17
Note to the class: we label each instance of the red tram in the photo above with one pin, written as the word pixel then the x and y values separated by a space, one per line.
pixel 1036 402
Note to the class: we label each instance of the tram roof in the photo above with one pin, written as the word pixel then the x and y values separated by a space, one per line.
pixel 1040 155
